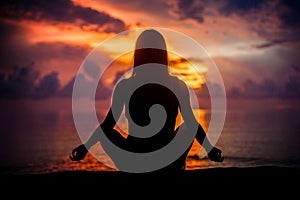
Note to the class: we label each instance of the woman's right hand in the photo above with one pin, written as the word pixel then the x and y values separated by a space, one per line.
pixel 215 155
pixel 78 153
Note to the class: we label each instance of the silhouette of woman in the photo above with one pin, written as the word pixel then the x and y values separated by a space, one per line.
pixel 151 54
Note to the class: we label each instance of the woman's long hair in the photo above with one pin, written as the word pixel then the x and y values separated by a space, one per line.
pixel 150 48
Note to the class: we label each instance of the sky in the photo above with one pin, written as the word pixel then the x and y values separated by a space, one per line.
pixel 255 44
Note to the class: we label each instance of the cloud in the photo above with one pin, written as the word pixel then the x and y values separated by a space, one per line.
pixel 67 89
pixel 48 56
pixel 119 75
pixel 85 88
pixel 8 40
pixel 53 71
pixel 269 88
pixel 252 90
pixel 280 27
pixel 240 7
pixel 254 17
pixel 26 82
pixel 8 30
pixel 289 13
pixel 188 9
pixel 48 86
pixel 102 92
pixel 271 43
pixel 292 84
pixel 58 11
pixel 19 83
pixel 259 90
pixel 198 10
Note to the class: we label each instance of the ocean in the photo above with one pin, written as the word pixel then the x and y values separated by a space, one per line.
pixel 37 136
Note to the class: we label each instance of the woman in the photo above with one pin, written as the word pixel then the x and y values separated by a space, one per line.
pixel 150 67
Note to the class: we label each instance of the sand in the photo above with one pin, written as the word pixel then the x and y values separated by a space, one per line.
pixel 243 183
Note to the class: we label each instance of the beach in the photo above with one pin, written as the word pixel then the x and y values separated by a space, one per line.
pixel 261 173
pixel 250 182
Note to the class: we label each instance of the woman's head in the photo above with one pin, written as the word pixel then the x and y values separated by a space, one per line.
pixel 150 48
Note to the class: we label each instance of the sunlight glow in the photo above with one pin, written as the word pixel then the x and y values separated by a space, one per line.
pixel 65 33
pixel 191 73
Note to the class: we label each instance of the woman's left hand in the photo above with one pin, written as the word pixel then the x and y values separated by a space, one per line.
pixel 215 155
pixel 78 153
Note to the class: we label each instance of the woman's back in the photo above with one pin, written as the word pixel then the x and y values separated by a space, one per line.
pixel 137 112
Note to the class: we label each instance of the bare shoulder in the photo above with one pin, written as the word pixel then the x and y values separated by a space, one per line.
pixel 120 91
pixel 179 84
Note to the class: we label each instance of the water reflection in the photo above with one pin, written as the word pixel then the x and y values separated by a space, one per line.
pixel 37 137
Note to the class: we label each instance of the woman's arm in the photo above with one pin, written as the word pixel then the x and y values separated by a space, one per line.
pixel 214 153
pixel 107 125
pixel 112 116
pixel 188 115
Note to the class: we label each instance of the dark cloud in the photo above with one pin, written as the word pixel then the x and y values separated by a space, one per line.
pixel 197 10
pixel 261 16
pixel 102 92
pixel 292 87
pixel 58 11
pixel 20 83
pixel 272 43
pixel 269 88
pixel 189 9
pixel 16 49
pixel 85 88
pixel 240 7
pixel 8 38
pixel 48 86
pixel 92 69
pixel 264 13
pixel 26 82
pixel 235 92
pixel 118 75
pixel 261 90
pixel 289 13
pixel 67 89
pixel 9 30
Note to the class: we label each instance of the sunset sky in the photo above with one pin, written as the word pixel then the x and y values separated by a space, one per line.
pixel 255 44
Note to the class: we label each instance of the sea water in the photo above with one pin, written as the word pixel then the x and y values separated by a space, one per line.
pixel 37 136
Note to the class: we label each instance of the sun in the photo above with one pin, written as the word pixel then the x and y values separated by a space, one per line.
pixel 192 73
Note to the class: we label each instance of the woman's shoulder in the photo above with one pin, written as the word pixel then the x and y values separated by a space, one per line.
pixel 178 82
